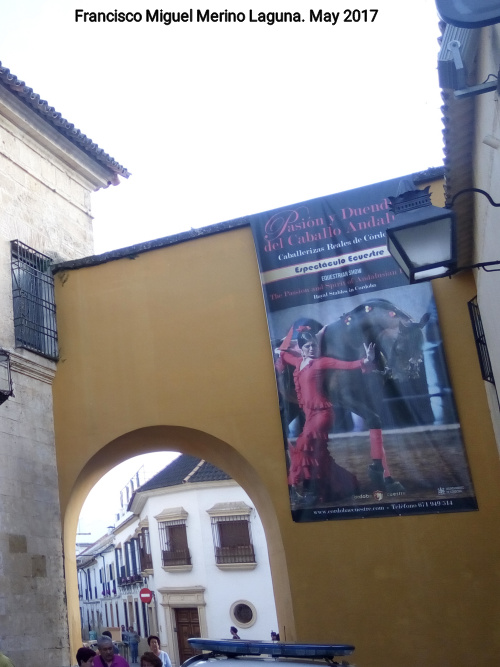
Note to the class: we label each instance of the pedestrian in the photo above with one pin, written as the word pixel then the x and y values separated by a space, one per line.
pixel 107 656
pixel 85 657
pixel 107 633
pixel 154 645
pixel 149 659
pixel 133 642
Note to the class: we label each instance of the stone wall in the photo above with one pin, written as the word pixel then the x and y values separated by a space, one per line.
pixel 45 203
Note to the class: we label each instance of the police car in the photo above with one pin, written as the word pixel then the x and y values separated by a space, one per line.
pixel 243 653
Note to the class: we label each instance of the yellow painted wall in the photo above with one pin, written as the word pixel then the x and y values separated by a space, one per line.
pixel 170 351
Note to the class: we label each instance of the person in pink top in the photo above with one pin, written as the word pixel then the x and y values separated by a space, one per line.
pixel 311 466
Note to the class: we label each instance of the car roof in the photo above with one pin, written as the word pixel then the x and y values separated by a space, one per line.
pixel 248 651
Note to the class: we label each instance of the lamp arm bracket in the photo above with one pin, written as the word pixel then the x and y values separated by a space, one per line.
pixel 481 192
pixel 485 264
pixel 480 265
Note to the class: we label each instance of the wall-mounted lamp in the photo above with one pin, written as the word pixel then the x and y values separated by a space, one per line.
pixel 5 377
pixel 469 13
pixel 422 238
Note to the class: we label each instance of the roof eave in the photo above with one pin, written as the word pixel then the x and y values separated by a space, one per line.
pixel 29 105
pixel 458 135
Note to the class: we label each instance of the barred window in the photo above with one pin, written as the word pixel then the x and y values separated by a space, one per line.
pixel 33 301
pixel 118 560
pixel 232 539
pixel 173 543
pixel 132 548
pixel 145 550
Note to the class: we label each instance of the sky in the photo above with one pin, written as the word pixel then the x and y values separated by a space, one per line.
pixel 220 120
pixel 223 119
pixel 96 516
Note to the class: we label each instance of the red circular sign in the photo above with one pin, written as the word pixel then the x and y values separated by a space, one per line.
pixel 146 595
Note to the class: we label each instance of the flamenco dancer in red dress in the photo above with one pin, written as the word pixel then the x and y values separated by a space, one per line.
pixel 311 466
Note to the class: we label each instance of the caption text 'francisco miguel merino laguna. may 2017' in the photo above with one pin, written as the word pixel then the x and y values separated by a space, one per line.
pixel 208 16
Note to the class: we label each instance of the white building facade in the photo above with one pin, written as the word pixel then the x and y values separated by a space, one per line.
pixel 194 540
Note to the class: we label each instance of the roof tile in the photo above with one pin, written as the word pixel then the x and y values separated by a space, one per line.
pixel 55 118
pixel 185 469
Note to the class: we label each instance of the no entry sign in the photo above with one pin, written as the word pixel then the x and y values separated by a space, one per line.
pixel 146 595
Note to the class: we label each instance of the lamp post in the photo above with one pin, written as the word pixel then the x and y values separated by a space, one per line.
pixel 5 377
pixel 422 237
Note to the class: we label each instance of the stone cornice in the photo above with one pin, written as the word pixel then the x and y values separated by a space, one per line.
pixel 172 514
pixel 43 370
pixel 230 509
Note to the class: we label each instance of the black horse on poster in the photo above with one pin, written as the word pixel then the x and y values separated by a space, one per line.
pixel 398 343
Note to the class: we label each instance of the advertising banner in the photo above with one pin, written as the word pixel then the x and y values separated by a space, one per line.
pixel 369 421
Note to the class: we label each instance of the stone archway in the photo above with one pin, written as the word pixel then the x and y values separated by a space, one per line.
pixel 189 441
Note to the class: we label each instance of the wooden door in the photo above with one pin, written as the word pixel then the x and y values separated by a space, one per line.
pixel 187 623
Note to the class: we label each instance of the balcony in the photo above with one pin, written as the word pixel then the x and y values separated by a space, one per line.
pixel 178 557
pixel 130 580
pixel 235 555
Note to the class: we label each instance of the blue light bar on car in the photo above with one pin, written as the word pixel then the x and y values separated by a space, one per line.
pixel 275 649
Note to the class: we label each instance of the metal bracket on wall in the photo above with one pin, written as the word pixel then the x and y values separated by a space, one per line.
pixel 481 345
pixel 480 340
pixel 468 91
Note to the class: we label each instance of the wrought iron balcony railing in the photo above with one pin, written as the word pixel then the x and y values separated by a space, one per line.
pixel 178 557
pixel 242 554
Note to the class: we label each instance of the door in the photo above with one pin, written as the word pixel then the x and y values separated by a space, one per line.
pixel 187 624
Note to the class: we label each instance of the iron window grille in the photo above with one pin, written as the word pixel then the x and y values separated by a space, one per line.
pixel 173 543
pixel 232 539
pixel 480 340
pixel 33 300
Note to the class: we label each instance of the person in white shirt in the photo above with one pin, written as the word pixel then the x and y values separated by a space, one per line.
pixel 154 645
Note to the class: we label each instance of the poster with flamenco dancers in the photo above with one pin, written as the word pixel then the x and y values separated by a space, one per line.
pixel 370 427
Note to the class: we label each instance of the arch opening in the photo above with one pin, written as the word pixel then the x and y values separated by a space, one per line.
pixel 192 443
